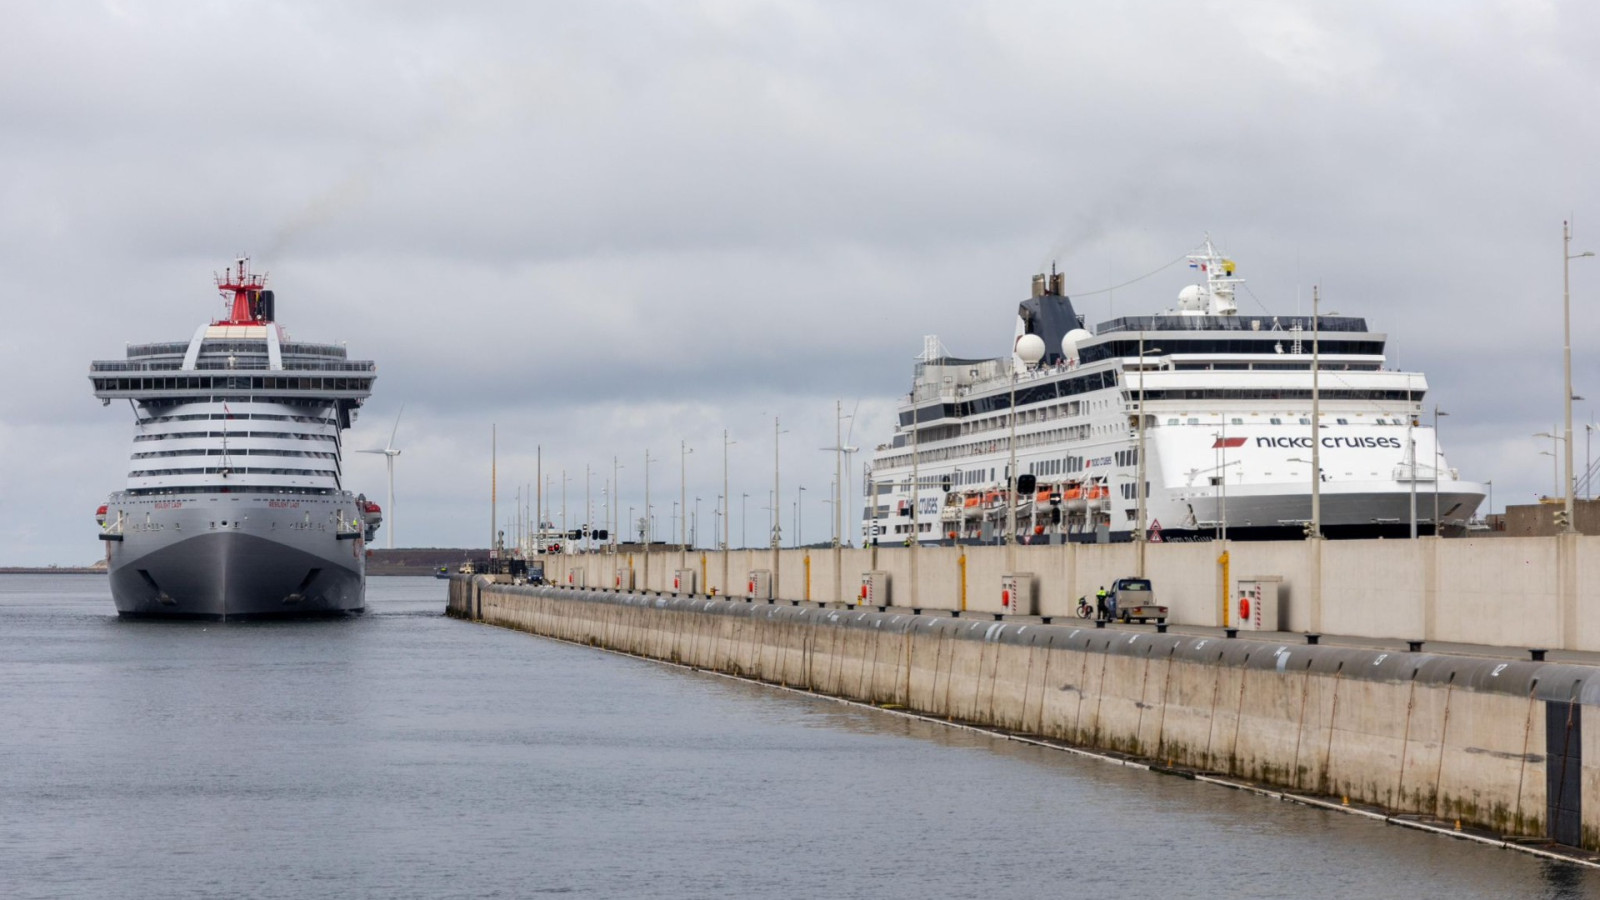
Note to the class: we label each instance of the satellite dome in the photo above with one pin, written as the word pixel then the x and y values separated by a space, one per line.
pixel 1030 349
pixel 1192 298
pixel 1071 340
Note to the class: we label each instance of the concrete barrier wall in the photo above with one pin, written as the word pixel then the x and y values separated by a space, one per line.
pixel 1514 592
pixel 1451 738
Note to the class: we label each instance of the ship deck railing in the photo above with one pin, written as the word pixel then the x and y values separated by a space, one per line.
pixel 223 366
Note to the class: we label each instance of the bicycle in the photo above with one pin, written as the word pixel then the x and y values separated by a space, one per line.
pixel 1085 608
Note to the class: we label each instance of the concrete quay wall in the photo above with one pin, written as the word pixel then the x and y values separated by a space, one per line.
pixel 1511 592
pixel 1494 744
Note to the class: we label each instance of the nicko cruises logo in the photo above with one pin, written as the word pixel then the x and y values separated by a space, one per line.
pixel 1330 442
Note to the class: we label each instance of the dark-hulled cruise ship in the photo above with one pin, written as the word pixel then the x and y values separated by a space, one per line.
pixel 236 505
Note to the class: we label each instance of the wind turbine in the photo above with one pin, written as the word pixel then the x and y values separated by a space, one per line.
pixel 390 451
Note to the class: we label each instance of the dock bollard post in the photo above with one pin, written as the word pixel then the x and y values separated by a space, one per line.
pixel 1312 638
pixel 1231 632
pixel 1536 653
pixel 1414 646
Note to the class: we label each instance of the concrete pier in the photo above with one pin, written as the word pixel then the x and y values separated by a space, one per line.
pixel 1492 744
pixel 1514 592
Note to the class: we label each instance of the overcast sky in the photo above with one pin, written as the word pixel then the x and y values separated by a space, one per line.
pixel 612 226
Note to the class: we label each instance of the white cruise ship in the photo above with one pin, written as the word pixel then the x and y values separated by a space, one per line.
pixel 235 505
pixel 1220 402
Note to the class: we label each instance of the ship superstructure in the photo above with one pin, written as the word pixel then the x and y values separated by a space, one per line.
pixel 1220 402
pixel 236 504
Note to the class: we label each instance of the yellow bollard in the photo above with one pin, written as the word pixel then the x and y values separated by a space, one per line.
pixel 961 563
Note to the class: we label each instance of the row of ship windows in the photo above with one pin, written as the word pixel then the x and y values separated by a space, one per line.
pixel 1003 421
pixel 217 417
pixel 245 346
pixel 1051 436
pixel 1279 420
pixel 213 451
pixel 232 382
pixel 1043 468
pixel 1276 394
pixel 285 435
pixel 231 470
pixel 232 489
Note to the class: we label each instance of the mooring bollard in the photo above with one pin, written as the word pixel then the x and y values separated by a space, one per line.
pixel 1312 638
pixel 1161 628
pixel 1537 654
pixel 1231 632
pixel 1414 646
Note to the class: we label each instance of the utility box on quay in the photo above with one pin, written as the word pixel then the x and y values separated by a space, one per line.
pixel 758 584
pixel 1255 604
pixel 683 581
pixel 875 589
pixel 1016 595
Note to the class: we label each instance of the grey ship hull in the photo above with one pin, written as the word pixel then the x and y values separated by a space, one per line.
pixel 266 559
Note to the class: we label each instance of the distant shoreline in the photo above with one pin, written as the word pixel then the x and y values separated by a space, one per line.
pixel 87 570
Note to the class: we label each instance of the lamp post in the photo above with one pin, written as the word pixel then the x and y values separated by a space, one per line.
pixel 649 530
pixel 777 498
pixel 683 497
pixel 1566 361
pixel 616 501
pixel 1316 423
pixel 1411 443
pixel 1437 455
pixel 726 498
pixel 744 527
pixel 1138 486
pixel 694 534
pixel 1555 460
pixel 799 516
pixel 1588 467
pixel 1490 485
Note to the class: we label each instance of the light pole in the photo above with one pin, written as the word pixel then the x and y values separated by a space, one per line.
pixel 1555 460
pixel 1588 467
pixel 744 526
pixel 1437 455
pixel 1138 486
pixel 1411 442
pixel 649 521
pixel 1490 485
pixel 777 500
pixel 588 512
pixel 694 535
pixel 725 499
pixel 616 501
pixel 799 516
pixel 683 496
pixel 1566 361
pixel 1316 425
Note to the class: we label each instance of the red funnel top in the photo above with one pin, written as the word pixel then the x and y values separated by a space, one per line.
pixel 249 306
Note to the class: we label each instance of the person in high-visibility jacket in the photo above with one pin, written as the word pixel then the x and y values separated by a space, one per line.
pixel 1100 602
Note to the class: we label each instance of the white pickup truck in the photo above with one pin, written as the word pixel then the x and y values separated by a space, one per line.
pixel 1135 600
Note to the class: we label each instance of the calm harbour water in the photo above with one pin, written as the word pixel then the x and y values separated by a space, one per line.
pixel 404 754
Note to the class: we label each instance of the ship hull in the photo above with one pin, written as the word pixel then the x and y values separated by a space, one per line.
pixel 287 561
